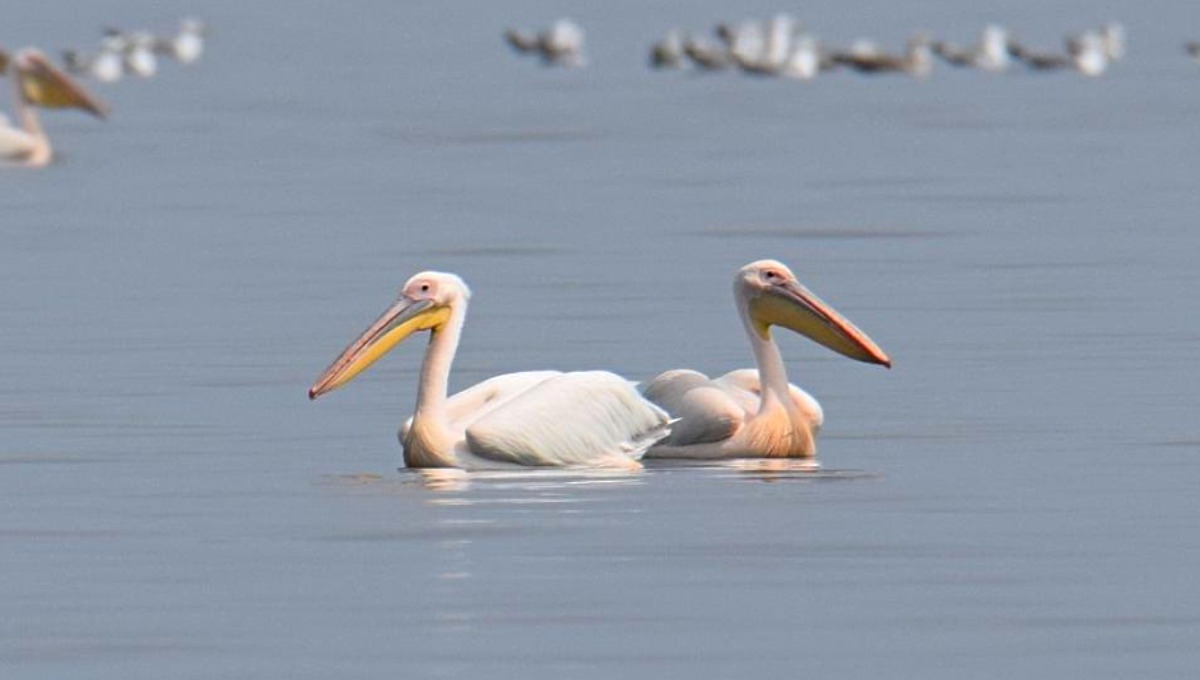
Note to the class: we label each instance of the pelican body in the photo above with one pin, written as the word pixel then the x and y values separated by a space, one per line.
pixel 37 83
pixel 756 413
pixel 535 418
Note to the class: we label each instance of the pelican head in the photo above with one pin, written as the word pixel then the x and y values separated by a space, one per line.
pixel 425 304
pixel 44 85
pixel 771 296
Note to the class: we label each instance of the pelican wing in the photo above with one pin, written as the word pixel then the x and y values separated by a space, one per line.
pixel 707 411
pixel 745 384
pixel 471 404
pixel 581 419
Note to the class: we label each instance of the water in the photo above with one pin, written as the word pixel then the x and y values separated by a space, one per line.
pixel 1016 498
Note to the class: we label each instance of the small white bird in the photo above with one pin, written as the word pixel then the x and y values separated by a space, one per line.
pixel 1088 54
pixel 104 65
pixel 559 45
pixel 137 51
pixel 187 45
pixel 668 52
pixel 991 53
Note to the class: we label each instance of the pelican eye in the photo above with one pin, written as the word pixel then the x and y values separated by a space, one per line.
pixel 424 287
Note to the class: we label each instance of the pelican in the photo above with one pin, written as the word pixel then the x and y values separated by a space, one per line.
pixel 36 82
pixel 187 45
pixel 755 413
pixel 535 418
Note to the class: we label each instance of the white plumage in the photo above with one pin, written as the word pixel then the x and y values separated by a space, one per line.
pixel 535 418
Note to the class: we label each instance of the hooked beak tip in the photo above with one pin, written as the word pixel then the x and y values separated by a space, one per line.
pixel 312 393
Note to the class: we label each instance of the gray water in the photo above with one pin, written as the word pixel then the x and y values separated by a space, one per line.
pixel 1016 498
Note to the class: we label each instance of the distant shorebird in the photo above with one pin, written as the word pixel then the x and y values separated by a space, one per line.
pixel 668 52
pixel 991 53
pixel 106 64
pixel 137 51
pixel 1112 35
pixel 187 45
pixel 705 55
pixel 917 60
pixel 1086 53
pixel 560 45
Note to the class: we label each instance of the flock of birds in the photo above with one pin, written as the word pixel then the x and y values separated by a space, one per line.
pixel 38 83
pixel 781 46
pixel 597 418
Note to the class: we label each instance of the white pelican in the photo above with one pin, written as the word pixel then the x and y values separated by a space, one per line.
pixel 37 83
pixel 755 413
pixel 187 45
pixel 536 418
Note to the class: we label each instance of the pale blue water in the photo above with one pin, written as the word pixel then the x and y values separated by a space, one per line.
pixel 1016 498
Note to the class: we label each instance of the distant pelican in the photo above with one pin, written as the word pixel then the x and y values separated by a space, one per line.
pixel 559 45
pixel 36 82
pixel 990 54
pixel 537 418
pixel 187 45
pixel 917 60
pixel 754 413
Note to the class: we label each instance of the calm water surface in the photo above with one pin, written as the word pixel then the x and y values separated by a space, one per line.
pixel 1017 498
